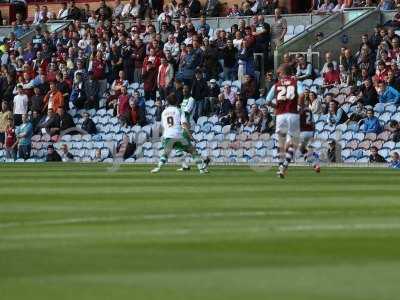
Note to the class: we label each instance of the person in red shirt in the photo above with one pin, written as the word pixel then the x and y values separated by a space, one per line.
pixel 98 67
pixel 331 77
pixel 10 141
pixel 381 71
pixel 123 104
pixel 150 81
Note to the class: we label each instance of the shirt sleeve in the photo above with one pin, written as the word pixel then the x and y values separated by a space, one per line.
pixel 271 94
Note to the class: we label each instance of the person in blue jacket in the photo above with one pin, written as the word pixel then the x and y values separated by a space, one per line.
pixel 387 94
pixel 371 123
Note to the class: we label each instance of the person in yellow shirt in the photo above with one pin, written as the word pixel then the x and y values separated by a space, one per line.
pixel 5 114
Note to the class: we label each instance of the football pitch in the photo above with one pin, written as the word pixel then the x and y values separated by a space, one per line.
pixel 81 231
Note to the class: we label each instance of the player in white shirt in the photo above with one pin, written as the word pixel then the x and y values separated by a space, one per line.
pixel 176 135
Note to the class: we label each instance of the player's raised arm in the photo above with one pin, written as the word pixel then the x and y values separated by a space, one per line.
pixel 271 96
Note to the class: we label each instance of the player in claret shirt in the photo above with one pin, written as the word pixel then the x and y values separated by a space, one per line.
pixel 288 93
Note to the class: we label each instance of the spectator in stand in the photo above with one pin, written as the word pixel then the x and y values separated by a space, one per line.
pixel 49 124
pixel 229 94
pixel 122 107
pixel 74 13
pixel 223 110
pixel 246 59
pixel 266 125
pixel 325 7
pixel 336 115
pixel 128 9
pixel 255 117
pixel 386 5
pixel 329 60
pixel 340 6
pixel 172 46
pixel 199 92
pixel 137 113
pixel 66 121
pixel 10 144
pixel 20 105
pixel 37 100
pixel 118 8
pixel 249 88
pixel 54 98
pixel 24 134
pixel 165 78
pixel 347 59
pixel 332 151
pixel 63 12
pixel 98 66
pixel 331 77
pixel 315 104
pixel 159 110
pixel 371 123
pixel 88 124
pixel 387 94
pixel 150 72
pixel 392 81
pixel 359 113
pixel 66 156
pixel 375 157
pixel 52 154
pixel 230 56
pixel 395 162
pixel 104 12
pixel 278 29
pixel 395 127
pixel 5 115
pixel 239 116
pixel 368 93
pixel 117 86
pixel 304 69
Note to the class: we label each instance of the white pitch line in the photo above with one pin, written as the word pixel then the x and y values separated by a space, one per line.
pixel 148 217
pixel 200 232
pixel 216 215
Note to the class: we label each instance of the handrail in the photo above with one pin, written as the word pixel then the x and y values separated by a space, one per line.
pixel 311 28
pixel 345 26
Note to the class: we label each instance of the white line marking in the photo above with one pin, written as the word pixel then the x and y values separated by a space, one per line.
pixel 202 231
pixel 206 215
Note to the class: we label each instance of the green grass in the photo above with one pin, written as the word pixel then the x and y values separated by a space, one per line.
pixel 71 231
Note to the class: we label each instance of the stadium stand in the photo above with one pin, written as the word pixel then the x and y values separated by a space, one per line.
pixel 101 69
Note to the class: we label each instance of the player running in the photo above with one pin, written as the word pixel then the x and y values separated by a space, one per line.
pixel 288 92
pixel 187 107
pixel 176 136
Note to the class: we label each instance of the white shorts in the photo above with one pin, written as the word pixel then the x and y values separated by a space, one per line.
pixel 306 137
pixel 288 124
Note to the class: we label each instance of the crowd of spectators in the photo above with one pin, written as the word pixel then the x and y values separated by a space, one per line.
pixel 98 61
